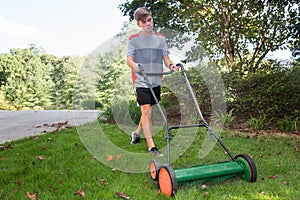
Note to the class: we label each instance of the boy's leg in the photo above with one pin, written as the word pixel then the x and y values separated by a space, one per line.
pixel 136 135
pixel 147 125
pixel 139 128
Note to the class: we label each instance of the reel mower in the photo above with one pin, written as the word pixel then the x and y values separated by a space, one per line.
pixel 169 179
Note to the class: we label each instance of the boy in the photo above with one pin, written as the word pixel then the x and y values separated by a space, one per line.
pixel 149 49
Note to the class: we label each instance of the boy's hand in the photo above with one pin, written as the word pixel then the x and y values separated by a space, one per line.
pixel 136 67
pixel 174 67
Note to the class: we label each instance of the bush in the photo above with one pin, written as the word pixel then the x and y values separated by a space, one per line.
pixel 275 92
pixel 287 124
pixel 134 111
pixel 260 123
pixel 122 112
pixel 91 104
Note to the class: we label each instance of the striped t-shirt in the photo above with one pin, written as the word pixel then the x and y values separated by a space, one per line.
pixel 149 51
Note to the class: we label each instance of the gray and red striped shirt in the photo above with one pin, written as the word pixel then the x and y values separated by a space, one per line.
pixel 149 51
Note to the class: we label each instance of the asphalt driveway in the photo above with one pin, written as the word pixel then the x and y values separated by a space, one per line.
pixel 20 124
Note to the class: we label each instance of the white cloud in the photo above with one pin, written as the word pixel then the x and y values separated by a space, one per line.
pixel 13 29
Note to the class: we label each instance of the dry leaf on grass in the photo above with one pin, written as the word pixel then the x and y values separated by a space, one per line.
pixel 33 196
pixel 9 146
pixel 273 176
pixel 41 157
pixel 109 157
pixel 123 195
pixel 203 186
pixel 80 193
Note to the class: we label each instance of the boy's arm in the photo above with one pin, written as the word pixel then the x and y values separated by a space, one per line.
pixel 169 63
pixel 132 64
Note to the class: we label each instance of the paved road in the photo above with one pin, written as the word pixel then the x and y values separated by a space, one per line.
pixel 20 124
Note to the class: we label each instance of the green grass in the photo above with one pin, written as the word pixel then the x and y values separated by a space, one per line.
pixel 68 166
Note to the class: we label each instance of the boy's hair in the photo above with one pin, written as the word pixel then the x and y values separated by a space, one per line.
pixel 141 14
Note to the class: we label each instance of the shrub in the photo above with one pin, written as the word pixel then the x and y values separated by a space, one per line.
pixel 227 118
pixel 276 92
pixel 259 123
pixel 287 124
pixel 91 104
pixel 122 112
pixel 134 111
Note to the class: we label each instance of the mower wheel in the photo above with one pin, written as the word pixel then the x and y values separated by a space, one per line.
pixel 250 173
pixel 154 169
pixel 167 181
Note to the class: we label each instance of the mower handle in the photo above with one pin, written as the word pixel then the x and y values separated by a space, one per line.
pixel 159 73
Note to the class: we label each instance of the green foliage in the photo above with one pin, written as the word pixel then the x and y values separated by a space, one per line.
pixel 287 123
pixel 31 79
pixel 91 104
pixel 227 118
pixel 106 116
pixel 25 78
pixel 123 111
pixel 64 76
pixel 260 122
pixel 276 91
pixel 3 103
pixel 227 28
pixel 134 111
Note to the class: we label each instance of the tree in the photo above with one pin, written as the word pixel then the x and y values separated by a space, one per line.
pixel 240 32
pixel 25 79
pixel 64 76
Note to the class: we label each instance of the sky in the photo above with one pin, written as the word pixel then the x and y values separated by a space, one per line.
pixel 60 27
pixel 64 27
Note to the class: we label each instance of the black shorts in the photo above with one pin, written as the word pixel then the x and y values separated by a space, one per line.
pixel 144 95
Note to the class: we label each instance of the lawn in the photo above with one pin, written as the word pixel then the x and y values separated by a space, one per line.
pixel 60 166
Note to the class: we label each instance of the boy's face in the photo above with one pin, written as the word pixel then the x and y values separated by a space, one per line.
pixel 146 25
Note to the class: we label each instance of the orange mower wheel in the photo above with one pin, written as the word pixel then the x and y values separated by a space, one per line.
pixel 167 181
pixel 154 169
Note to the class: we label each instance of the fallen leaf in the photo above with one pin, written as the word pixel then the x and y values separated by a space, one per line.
pixel 1 159
pixel 68 126
pixel 284 183
pixel 36 138
pixel 18 182
pixel 33 196
pixel 41 157
pixel 123 195
pixel 203 187
pixel 297 149
pixel 109 157
pixel 119 156
pixel 80 193
pixel 273 176
pixel 49 140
